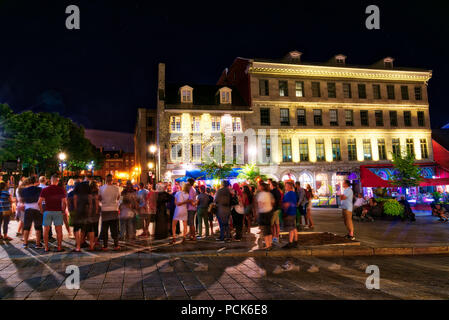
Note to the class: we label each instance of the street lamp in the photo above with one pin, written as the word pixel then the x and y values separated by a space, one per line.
pixel 62 157
pixel 90 166
pixel 152 148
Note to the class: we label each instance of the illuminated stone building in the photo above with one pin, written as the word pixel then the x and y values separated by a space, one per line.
pixel 330 118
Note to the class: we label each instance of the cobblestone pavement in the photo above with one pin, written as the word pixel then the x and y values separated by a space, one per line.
pixel 140 276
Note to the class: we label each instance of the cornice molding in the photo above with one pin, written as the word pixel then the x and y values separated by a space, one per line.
pixel 338 72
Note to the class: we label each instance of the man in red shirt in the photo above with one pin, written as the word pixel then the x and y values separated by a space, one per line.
pixel 55 198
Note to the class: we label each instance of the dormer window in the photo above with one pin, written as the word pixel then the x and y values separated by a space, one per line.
pixel 186 94
pixel 340 59
pixel 294 56
pixel 225 95
pixel 388 63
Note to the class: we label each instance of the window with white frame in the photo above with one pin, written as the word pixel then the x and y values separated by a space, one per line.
pixel 175 124
pixel 196 152
pixel 216 124
pixel 196 124
pixel 176 152
pixel 186 94
pixel 225 95
pixel 236 124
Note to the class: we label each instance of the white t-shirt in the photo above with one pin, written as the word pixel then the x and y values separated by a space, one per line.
pixel 264 202
pixel 109 195
pixel 181 211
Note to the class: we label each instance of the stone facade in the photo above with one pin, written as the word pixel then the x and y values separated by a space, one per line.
pixel 348 97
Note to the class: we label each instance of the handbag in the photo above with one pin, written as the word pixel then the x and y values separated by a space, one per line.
pixel 8 213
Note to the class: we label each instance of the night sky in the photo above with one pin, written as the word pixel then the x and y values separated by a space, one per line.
pixel 99 75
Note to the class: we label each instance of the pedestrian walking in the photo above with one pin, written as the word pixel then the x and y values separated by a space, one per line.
pixel 248 198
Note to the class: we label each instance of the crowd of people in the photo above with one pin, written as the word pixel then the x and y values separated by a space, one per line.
pixel 90 211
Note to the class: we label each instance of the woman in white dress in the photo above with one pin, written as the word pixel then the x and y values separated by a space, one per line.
pixel 181 201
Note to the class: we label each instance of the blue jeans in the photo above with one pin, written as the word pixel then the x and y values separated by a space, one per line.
pixel 223 222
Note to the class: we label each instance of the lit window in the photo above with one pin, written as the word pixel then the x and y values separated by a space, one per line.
pixel 333 115
pixel 299 88
pixel 303 150
pixel 236 124
pixel 396 146
pixel 286 150
pixel 225 95
pixel 175 124
pixel 410 147
pixel 196 124
pixel 283 88
pixel 381 148
pixel 349 117
pixel 285 117
pixel 352 150
pixel 424 152
pixel 216 124
pixel 336 152
pixel 196 152
pixel 367 149
pixel 319 143
pixel 186 94
pixel 176 152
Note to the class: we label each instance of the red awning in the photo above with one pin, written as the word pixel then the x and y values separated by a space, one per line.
pixel 370 179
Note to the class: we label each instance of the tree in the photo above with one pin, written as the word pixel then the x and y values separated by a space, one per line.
pixel 406 174
pixel 251 173
pixel 37 138
pixel 217 171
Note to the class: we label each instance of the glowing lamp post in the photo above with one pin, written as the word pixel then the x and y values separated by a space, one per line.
pixel 62 157
pixel 90 167
pixel 153 150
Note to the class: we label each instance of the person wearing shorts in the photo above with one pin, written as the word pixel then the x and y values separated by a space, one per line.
pixel 30 197
pixel 289 203
pixel 346 206
pixel 55 198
